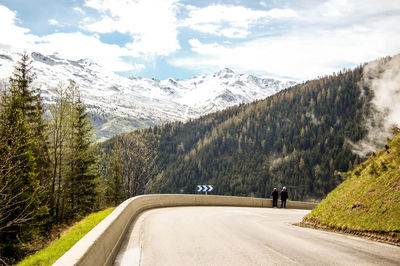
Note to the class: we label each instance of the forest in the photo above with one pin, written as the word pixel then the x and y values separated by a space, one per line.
pixel 298 138
pixel 53 171
pixel 51 174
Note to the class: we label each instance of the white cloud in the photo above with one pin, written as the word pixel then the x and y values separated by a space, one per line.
pixel 220 20
pixel 105 25
pixel 230 21
pixel 278 13
pixel 316 38
pixel 79 10
pixel 301 56
pixel 53 22
pixel 317 41
pixel 71 45
pixel 355 8
pixel 383 78
pixel 347 13
pixel 152 24
pixel 77 45
pixel 86 20
pixel 13 37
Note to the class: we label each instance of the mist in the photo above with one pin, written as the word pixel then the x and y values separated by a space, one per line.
pixel 383 78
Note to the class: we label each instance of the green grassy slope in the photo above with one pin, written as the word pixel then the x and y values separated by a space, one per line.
pixel 56 249
pixel 368 201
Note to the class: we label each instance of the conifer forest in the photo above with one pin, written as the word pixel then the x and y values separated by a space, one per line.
pixel 50 169
pixel 53 171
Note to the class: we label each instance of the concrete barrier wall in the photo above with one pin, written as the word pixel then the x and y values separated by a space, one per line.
pixel 101 244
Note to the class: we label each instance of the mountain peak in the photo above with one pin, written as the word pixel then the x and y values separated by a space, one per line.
pixel 226 72
pixel 119 104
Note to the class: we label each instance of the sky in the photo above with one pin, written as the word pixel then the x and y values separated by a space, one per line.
pixel 284 39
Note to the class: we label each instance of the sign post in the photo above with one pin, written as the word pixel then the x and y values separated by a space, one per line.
pixel 204 188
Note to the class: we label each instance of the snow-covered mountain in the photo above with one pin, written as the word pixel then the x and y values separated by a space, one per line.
pixel 120 104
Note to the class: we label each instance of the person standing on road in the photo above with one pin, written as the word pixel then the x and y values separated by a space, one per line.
pixel 275 197
pixel 284 196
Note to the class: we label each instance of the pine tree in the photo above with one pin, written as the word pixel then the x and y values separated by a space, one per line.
pixel 22 206
pixel 82 179
pixel 115 193
pixel 74 183
pixel 31 105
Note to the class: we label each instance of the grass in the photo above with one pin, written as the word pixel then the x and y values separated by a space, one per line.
pixel 368 201
pixel 56 249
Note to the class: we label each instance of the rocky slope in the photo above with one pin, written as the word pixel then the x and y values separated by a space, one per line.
pixel 120 104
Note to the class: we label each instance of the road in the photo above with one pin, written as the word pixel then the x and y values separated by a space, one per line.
pixel 242 236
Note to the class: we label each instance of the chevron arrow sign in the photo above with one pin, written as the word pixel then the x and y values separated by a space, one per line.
pixel 205 188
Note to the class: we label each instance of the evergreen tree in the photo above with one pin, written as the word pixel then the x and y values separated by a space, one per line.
pixel 74 182
pixel 115 193
pixel 41 164
pixel 82 179
pixel 31 105
pixel 22 194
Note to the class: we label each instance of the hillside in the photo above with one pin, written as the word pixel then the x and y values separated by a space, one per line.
pixel 298 138
pixel 120 104
pixel 65 240
pixel 368 201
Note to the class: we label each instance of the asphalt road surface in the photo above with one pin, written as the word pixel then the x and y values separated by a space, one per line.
pixel 242 236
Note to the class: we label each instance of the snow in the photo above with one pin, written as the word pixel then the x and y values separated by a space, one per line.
pixel 120 104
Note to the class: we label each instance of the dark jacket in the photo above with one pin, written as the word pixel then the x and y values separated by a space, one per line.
pixel 275 194
pixel 284 195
